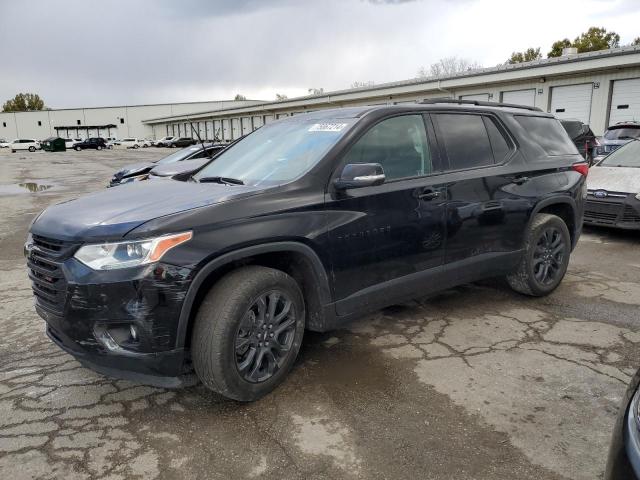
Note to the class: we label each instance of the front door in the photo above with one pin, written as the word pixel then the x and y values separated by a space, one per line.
pixel 388 236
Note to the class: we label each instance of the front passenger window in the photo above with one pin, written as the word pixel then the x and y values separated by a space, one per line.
pixel 399 144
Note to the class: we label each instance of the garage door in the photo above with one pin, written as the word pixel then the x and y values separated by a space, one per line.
pixel 246 125
pixel 217 130
pixel 235 128
pixel 226 129
pixel 257 121
pixel 481 97
pixel 572 101
pixel 625 101
pixel 268 119
pixel 520 97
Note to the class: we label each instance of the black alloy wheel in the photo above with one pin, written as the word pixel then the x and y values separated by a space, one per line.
pixel 265 336
pixel 548 256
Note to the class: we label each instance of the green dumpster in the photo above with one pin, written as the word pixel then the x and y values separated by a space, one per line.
pixel 53 144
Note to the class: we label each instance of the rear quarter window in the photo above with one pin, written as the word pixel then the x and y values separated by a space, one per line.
pixel 548 133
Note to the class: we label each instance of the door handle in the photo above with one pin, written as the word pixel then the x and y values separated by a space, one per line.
pixel 520 180
pixel 429 195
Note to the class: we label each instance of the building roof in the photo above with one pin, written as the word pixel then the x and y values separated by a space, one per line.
pixel 429 83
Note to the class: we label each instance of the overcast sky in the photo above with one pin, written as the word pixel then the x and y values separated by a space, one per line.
pixel 93 53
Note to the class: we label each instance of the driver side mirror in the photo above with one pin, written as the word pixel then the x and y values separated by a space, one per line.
pixel 358 175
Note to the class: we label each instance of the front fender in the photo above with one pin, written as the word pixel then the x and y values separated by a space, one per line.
pixel 218 262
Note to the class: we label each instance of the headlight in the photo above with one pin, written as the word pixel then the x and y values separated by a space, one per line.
pixel 110 256
pixel 137 178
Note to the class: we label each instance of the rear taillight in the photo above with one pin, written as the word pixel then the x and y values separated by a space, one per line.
pixel 582 168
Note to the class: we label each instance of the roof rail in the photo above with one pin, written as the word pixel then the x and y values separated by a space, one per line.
pixel 478 103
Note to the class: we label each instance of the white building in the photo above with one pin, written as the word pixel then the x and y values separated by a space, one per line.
pixel 119 122
pixel 598 88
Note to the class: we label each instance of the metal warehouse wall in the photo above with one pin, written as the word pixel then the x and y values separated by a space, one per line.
pixel 40 125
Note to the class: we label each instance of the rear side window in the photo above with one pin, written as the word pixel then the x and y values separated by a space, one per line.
pixel 465 140
pixel 549 134
pixel 499 144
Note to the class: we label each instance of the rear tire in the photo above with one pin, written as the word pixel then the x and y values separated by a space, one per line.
pixel 545 259
pixel 247 332
pixel 77 149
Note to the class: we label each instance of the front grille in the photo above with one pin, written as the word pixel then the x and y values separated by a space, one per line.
pixel 45 272
pixel 602 212
pixel 630 215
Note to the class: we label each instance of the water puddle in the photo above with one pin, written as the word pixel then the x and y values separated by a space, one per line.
pixel 25 187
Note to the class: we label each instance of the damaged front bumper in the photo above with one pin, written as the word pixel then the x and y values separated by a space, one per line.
pixel 122 323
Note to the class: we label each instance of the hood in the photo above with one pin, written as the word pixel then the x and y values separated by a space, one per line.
pixel 614 179
pixel 185 166
pixel 133 169
pixel 112 213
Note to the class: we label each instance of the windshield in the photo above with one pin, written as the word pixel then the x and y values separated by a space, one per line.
pixel 179 155
pixel 626 156
pixel 278 153
pixel 622 133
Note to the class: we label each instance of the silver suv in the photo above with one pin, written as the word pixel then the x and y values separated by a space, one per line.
pixel 615 136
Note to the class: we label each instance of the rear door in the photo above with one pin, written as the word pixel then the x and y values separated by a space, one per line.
pixel 484 217
pixel 385 237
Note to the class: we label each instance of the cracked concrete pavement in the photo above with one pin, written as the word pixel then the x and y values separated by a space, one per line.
pixel 474 383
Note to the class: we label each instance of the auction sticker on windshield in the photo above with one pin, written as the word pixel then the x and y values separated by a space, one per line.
pixel 327 127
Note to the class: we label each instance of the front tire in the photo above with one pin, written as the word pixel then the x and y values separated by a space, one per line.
pixel 99 147
pixel 32 149
pixel 545 259
pixel 247 332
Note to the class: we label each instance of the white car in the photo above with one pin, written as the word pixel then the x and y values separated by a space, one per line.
pixel 4 143
pixel 134 143
pixel 613 189
pixel 24 144
pixel 69 143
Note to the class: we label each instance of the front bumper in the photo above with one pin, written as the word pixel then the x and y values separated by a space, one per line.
pixel 619 210
pixel 120 322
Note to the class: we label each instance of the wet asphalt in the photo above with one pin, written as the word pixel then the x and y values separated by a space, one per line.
pixel 474 383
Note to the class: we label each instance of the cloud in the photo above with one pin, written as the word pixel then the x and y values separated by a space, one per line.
pixel 93 53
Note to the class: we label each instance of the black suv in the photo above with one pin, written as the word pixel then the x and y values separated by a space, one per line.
pixel 181 142
pixel 304 224
pixel 94 143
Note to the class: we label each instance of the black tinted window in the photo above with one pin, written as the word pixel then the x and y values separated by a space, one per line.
pixel 465 140
pixel 499 144
pixel 399 144
pixel 549 134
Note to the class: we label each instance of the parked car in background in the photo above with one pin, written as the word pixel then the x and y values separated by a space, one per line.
pixel 140 171
pixel 133 143
pixel 4 143
pixel 613 195
pixel 94 143
pixel 150 141
pixel 181 142
pixel 70 143
pixel 305 223
pixel 582 137
pixel 111 143
pixel 623 462
pixel 25 144
pixel 164 141
pixel 615 136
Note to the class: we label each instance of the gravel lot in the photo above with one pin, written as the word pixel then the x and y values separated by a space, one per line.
pixel 475 383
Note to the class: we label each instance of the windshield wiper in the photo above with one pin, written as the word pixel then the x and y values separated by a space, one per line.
pixel 222 180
